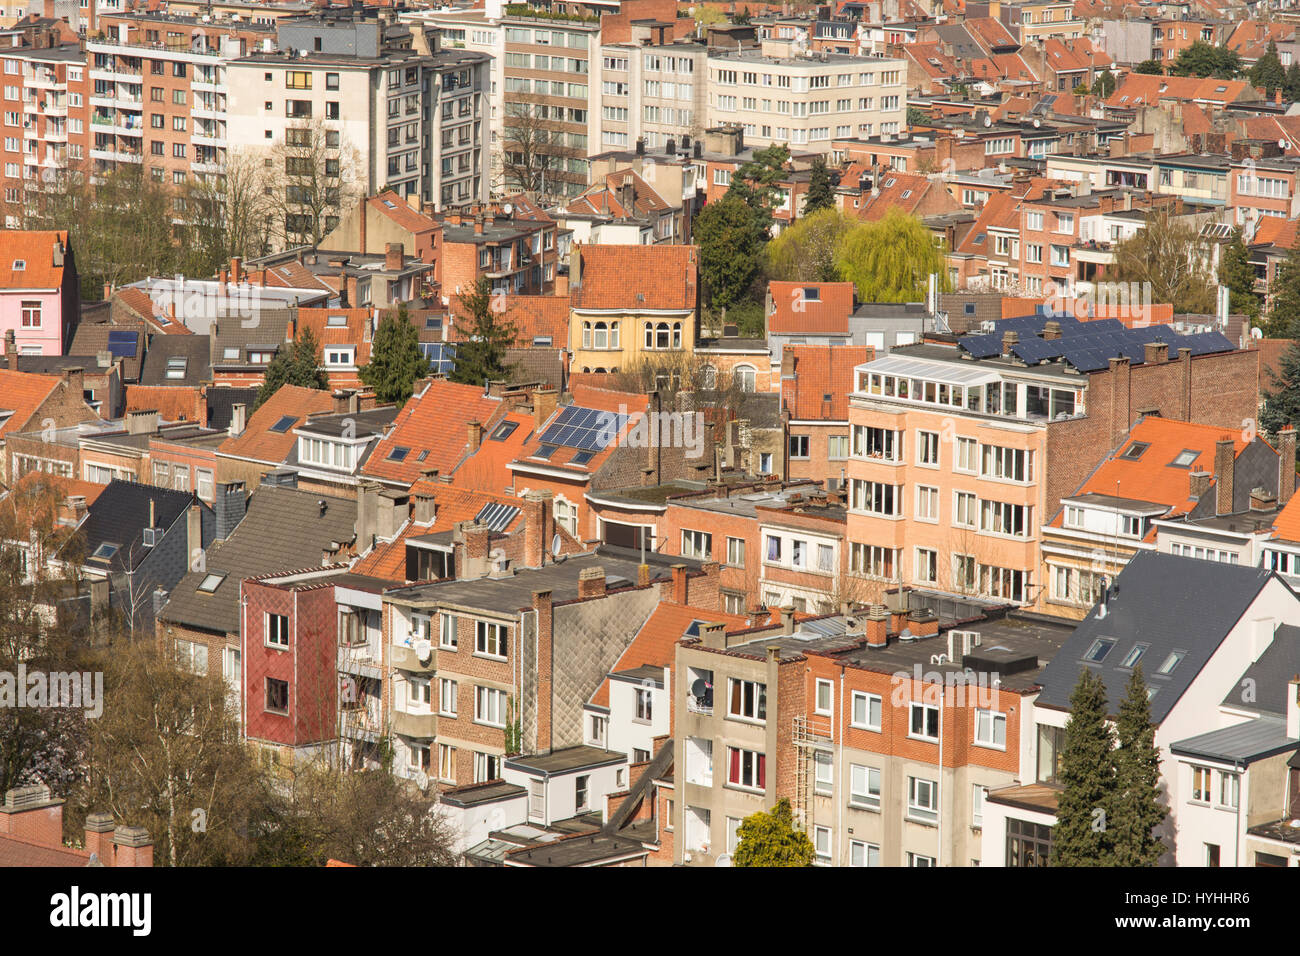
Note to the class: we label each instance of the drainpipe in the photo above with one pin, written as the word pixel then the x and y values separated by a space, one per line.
pixel 838 756
pixel 938 853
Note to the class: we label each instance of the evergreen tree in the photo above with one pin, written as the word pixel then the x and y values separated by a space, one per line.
pixel 821 191
pixel 1282 395
pixel 396 362
pixel 1291 88
pixel 1268 72
pixel 299 365
pixel 769 838
pixel 481 357
pixel 755 183
pixel 1236 272
pixel 1104 84
pixel 1204 60
pixel 1150 68
pixel 731 248
pixel 1137 810
pixel 1284 291
pixel 1082 836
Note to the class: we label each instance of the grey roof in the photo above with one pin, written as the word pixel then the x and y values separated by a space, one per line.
pixel 192 348
pixel 269 332
pixel 566 760
pixel 479 793
pixel 1270 674
pixel 1241 743
pixel 91 338
pixel 119 516
pixel 1168 603
pixel 593 850
pixel 283 530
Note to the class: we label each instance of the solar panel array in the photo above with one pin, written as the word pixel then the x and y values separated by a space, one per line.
pixel 586 428
pixel 496 516
pixel 122 344
pixel 1088 346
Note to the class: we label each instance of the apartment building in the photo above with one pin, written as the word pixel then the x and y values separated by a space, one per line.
pixel 1263 187
pixel 956 460
pixel 397 111
pixel 805 101
pixel 654 93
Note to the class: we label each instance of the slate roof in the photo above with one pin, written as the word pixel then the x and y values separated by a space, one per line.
pixel 221 401
pixel 1270 674
pixel 1241 743
pixel 1158 595
pixel 282 530
pixel 119 515
pixel 193 348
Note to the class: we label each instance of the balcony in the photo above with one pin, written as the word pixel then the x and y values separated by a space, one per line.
pixel 116 156
pixel 42 80
pixel 360 723
pixel 358 660
pixel 404 658
pixel 53 107
pixel 420 726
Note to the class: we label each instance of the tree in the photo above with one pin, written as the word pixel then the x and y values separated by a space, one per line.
pixel 1104 84
pixel 742 17
pixel 533 150
pixel 805 251
pixel 1082 836
pixel 756 183
pixel 730 238
pixel 769 838
pixel 311 179
pixel 1282 395
pixel 1150 68
pixel 1204 59
pixel 1137 811
pixel 1169 257
pixel 891 259
pixel 299 365
pixel 1268 71
pixel 396 362
pixel 1291 88
pixel 1237 273
pixel 229 214
pixel 1284 299
pixel 917 117
pixel 821 190
pixel 480 357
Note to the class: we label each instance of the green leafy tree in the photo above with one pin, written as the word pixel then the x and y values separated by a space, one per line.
pixel 1104 84
pixel 756 183
pixel 1268 71
pixel 890 260
pixel 299 365
pixel 1083 836
pixel 1282 394
pixel 1291 87
pixel 396 362
pixel 1150 68
pixel 1204 59
pixel 769 838
pixel 1284 296
pixel 1169 257
pixel 731 249
pixel 805 251
pixel 1137 810
pixel 481 357
pixel 821 190
pixel 1237 273
pixel 917 117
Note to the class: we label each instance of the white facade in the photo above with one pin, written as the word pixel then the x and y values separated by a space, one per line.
pixel 562 795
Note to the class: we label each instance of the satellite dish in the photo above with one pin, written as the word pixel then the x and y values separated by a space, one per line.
pixel 1283 145
pixel 723 860
pixel 1037 122
pixel 424 650
pixel 1256 332
pixel 508 209
pixel 556 543
pixel 988 121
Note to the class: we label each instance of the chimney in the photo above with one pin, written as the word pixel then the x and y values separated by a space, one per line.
pixel 1223 467
pixel 478 224
pixel 390 509
pixel 591 583
pixel 679 584
pixel 229 508
pixel 1051 330
pixel 367 515
pixel 1261 499
pixel 1285 464
pixel 142 422
pixel 11 350
pixel 238 419
pixel 103 359
pixel 1198 484
pixel 1009 338
pixel 193 528
pixel 1293 709
pixel 236 270
pixel 923 623
pixel 1155 353
pixel 714 636
pixel 643 575
pixel 425 509
pixel 539 526
pixel 544 402
pixel 787 619
pixel 475 435
pixel 347 401
pixel 98 841
pixel 394 255
pixel 32 813
pixel 477 539
pixel 76 379
pixel 877 625
pixel 132 847
pixel 58 253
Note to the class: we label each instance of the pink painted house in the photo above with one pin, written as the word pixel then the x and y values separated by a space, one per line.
pixel 40 298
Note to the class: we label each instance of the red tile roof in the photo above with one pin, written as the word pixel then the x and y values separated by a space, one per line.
pixel 634 278
pixel 36 251
pixel 486 470
pixel 533 316
pixel 23 393
pixel 258 442
pixel 1286 526
pixel 631 404
pixel 821 371
pixel 896 190
pixel 794 312
pixel 1275 231
pixel 173 403
pixel 1141 89
pixel 435 420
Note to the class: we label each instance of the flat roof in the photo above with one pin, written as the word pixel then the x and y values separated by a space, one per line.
pixel 567 760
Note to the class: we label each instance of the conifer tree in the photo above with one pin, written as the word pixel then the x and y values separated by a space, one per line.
pixel 1282 395
pixel 396 362
pixel 480 357
pixel 299 365
pixel 1237 273
pixel 821 192
pixel 1137 810
pixel 1082 836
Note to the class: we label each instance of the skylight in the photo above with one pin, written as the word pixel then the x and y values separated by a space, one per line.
pixel 1173 660
pixel 1134 451
pixel 1100 648
pixel 337 320
pixel 176 366
pixel 504 431
pixel 1185 458
pixel 284 424
pixel 211 582
pixel 19 265
pixel 399 453
pixel 105 551
pixel 582 457
pixel 1134 655
pixel 812 294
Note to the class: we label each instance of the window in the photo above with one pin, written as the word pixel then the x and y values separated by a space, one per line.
pixel 736 552
pixel 1201 777
pixel 1211 854
pixel 837 447
pixel 277 630
pixel 598 728
pixel 922 800
pixel 486 767
pixel 825 697
pixel 927 503
pixel 864 787
pixel 277 696
pixel 446 763
pixel 192 656
pixel 490 706
pixel 581 792
pixel 203 485
pixel 863 854
pixel 1028 844
pixel 924 722
pixel 822 845
pixel 746 769
pixel 419 695
pixel 866 711
pixel 825 557
pixel 31 311
pixel 697 544
pixel 1134 655
pixel 1229 789
pixel 644 701
pixel 823 773
pixel 798 446
pixel 448 636
pixel 991 729
pixel 1099 649
pixel 927 566
pixel 1172 661
pixel 927 448
pixel 447 695
pixel 747 699
pixel 490 639
pixel 977 795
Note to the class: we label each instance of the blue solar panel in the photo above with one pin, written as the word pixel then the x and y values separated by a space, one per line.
pixel 585 428
pixel 496 516
pixel 122 344
pixel 982 346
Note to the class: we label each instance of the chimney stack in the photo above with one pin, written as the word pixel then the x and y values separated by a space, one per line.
pixel 76 379
pixel 238 419
pixel 1198 484
pixel 1009 338
pixel 1285 464
pixel 591 583
pixel 1155 353
pixel 1224 461
pixel 394 255
pixel 877 625
pixel 475 435
pixel 142 422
